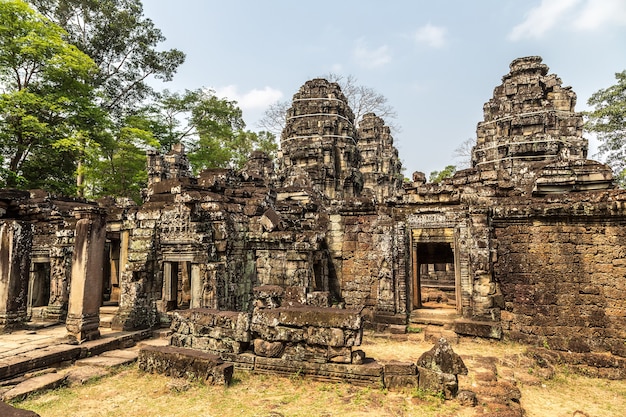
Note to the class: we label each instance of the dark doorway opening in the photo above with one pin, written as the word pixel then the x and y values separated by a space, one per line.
pixel 177 291
pixel 434 275
pixel 111 281
pixel 38 289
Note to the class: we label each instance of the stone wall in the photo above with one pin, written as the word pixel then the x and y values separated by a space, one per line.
pixel 300 333
pixel 47 272
pixel 562 272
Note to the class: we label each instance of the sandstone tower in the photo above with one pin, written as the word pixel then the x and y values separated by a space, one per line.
pixel 530 118
pixel 320 138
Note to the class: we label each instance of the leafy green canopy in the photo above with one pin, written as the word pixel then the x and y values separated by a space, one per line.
pixel 122 42
pixel 608 121
pixel 46 101
pixel 77 114
pixel 438 176
pixel 211 128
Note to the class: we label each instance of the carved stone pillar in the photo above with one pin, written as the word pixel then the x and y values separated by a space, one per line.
pixel 83 317
pixel 15 246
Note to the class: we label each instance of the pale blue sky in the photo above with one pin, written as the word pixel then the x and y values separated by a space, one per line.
pixel 436 61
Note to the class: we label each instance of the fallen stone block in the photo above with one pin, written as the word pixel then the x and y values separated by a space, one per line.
pixel 485 329
pixel 268 349
pixel 437 382
pixel 401 381
pixel 216 324
pixel 179 362
pixel 82 374
pixel 399 368
pixel 35 384
pixel 441 358
pixel 339 354
pixel 305 353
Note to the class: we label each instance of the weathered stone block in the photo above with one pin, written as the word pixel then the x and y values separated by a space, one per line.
pixel 268 349
pixel 358 357
pixel 340 354
pixel 325 336
pixel 8 411
pixel 492 330
pixel 438 382
pixel 187 363
pixel 400 381
pixel 442 359
pixel 399 368
pixel 305 353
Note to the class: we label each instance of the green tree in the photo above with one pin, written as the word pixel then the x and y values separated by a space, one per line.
pixel 124 45
pixel 118 167
pixel 608 121
pixel 437 176
pixel 211 128
pixel 47 104
pixel 122 42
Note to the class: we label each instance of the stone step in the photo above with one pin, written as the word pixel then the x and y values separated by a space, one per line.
pixel 110 358
pixel 107 313
pixel 11 367
pixel 434 316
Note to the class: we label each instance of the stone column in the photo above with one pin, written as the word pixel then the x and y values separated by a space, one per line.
pixel 83 317
pixel 196 287
pixel 15 246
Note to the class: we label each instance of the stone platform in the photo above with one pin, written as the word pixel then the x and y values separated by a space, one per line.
pixel 25 351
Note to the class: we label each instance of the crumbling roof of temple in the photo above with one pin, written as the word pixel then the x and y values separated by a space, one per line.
pixel 530 118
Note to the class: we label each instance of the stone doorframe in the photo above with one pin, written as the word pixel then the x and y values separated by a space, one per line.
pixel 38 257
pixel 169 293
pixel 441 228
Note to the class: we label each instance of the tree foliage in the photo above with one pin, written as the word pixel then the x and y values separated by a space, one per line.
pixel 212 129
pixel 118 166
pixel 121 41
pixel 361 99
pixel 438 176
pixel 46 105
pixel 76 112
pixel 608 121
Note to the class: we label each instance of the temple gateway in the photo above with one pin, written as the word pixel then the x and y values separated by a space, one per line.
pixel 528 244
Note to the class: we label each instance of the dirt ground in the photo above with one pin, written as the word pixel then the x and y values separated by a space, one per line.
pixel 556 392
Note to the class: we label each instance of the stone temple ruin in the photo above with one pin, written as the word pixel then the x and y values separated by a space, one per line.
pixel 528 244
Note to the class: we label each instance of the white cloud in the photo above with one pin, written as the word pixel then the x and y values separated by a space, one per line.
pixel 371 58
pixel 598 13
pixel 541 19
pixel 251 100
pixel 433 36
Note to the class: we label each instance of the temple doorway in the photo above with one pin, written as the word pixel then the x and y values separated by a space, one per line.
pixel 38 289
pixel 435 271
pixel 177 285
pixel 111 281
